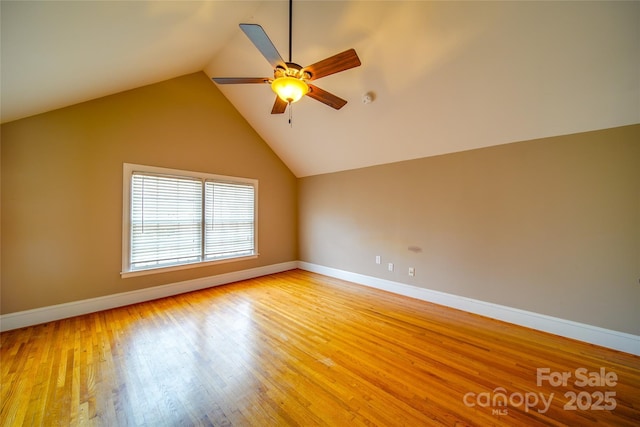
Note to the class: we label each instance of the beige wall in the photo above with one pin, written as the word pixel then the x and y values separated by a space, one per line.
pixel 62 187
pixel 550 226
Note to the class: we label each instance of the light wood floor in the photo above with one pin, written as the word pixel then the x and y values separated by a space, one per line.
pixel 298 348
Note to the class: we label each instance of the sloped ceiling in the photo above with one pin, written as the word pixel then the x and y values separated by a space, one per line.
pixel 445 76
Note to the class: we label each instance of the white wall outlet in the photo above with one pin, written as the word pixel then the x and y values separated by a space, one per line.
pixel 378 261
pixel 390 266
pixel 412 271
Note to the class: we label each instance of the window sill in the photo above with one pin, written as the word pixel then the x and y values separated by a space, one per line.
pixel 135 273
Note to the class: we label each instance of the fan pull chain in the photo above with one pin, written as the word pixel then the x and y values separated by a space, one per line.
pixel 290 114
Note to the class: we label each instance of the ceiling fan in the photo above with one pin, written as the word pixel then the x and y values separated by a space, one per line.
pixel 290 80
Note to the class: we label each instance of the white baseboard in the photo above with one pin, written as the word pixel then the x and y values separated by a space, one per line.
pixel 62 311
pixel 579 331
pixel 592 334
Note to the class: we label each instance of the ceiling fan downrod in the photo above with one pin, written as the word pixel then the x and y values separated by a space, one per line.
pixel 290 26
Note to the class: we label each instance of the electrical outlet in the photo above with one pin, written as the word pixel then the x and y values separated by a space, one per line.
pixel 390 266
pixel 378 261
pixel 412 271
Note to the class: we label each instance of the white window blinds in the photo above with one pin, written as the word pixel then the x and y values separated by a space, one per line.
pixel 229 219
pixel 174 218
pixel 166 220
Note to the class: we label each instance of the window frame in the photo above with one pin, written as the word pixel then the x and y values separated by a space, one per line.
pixel 129 169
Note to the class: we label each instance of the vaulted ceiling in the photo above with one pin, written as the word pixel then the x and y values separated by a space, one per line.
pixel 445 76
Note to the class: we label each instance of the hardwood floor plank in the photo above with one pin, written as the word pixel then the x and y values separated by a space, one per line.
pixel 297 348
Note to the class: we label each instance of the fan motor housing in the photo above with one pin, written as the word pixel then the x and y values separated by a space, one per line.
pixel 293 70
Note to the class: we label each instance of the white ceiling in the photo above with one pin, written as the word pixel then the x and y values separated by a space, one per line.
pixel 446 76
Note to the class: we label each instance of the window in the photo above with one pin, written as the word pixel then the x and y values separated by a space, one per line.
pixel 176 219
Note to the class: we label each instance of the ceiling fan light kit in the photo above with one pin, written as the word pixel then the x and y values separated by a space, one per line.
pixel 289 84
pixel 290 80
pixel 289 89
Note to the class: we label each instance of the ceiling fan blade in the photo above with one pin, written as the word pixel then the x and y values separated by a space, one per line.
pixel 239 80
pixel 279 106
pixel 259 38
pixel 325 97
pixel 334 64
